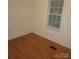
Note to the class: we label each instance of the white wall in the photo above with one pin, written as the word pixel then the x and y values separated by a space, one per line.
pixel 40 22
pixel 20 17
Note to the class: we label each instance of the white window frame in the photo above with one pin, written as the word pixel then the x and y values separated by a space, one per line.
pixel 50 27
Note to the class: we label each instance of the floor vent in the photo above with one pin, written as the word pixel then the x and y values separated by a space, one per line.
pixel 52 47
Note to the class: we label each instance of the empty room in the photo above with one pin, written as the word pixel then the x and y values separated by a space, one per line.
pixel 39 29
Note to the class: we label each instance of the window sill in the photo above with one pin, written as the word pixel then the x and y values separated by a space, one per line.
pixel 53 28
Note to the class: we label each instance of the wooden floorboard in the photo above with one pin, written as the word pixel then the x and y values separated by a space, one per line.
pixel 33 46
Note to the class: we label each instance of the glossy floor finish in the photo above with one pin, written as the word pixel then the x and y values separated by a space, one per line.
pixel 33 46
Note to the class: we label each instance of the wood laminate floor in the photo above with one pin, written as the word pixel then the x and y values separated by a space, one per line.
pixel 33 46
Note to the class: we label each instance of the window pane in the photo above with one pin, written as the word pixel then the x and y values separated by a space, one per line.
pixel 54 21
pixel 55 11
pixel 50 20
pixel 54 3
pixel 51 10
pixel 58 21
pixel 60 3
pixel 59 10
pixel 56 6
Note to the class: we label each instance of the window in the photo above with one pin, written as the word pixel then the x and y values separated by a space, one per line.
pixel 55 12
